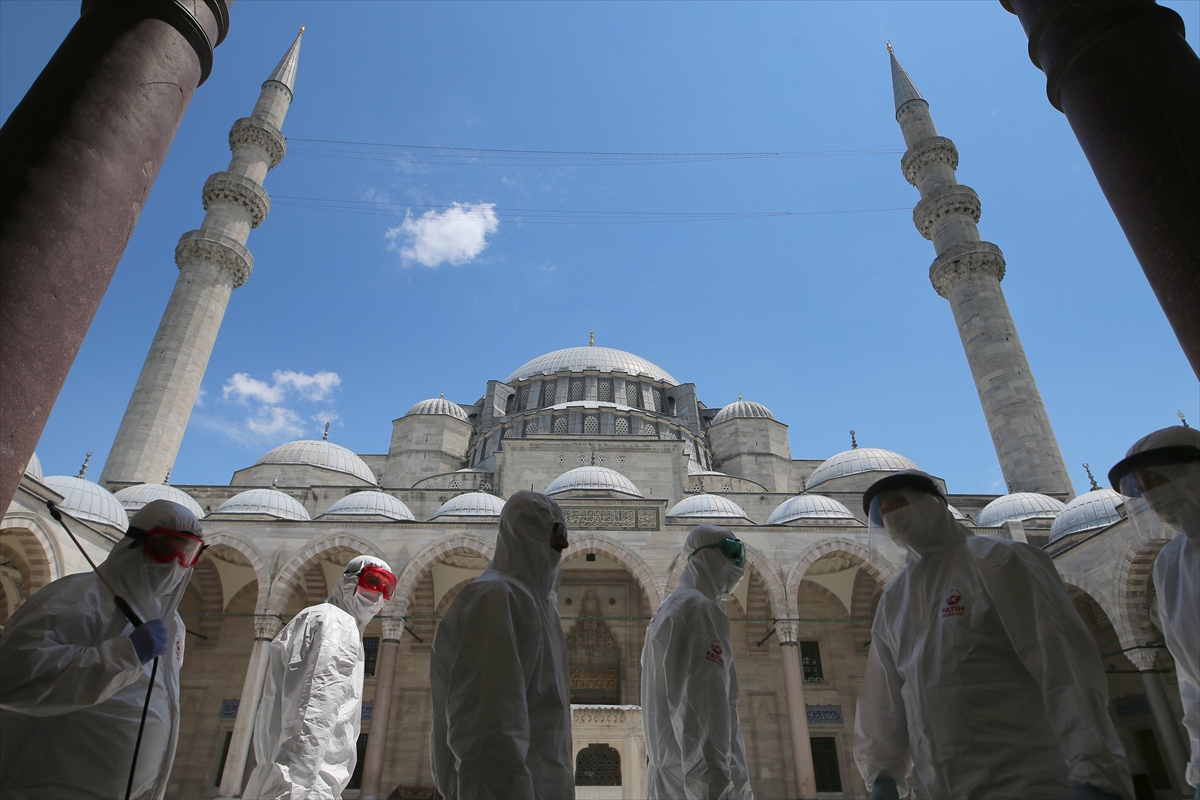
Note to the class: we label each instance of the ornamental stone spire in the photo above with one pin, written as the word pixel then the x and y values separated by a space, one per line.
pixel 967 272
pixel 212 261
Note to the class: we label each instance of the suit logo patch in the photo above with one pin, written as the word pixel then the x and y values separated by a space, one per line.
pixel 954 606
pixel 714 654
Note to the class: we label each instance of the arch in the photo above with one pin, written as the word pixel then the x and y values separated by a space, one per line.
pixel 864 599
pixel 252 554
pixel 611 548
pixel 756 561
pixel 292 572
pixel 422 562
pixel 32 529
pixel 1134 573
pixel 877 567
pixel 824 594
pixel 207 581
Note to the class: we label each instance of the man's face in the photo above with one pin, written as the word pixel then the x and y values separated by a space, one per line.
pixel 558 537
pixel 891 501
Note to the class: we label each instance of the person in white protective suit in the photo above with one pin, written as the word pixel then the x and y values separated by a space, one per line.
pixel 74 672
pixel 499 675
pixel 982 680
pixel 306 728
pixel 1161 477
pixel 689 683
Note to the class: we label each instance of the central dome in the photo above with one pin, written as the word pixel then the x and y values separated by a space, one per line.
pixel 601 359
pixel 323 454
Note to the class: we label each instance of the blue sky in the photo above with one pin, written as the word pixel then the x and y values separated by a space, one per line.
pixel 826 318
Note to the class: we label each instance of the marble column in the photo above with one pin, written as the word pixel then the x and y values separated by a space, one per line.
pixel 1145 659
pixel 265 628
pixel 793 684
pixel 381 712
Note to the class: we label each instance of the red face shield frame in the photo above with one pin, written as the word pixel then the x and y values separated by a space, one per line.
pixel 164 546
pixel 377 579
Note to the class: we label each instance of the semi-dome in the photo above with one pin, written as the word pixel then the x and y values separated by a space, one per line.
pixel 34 468
pixel 371 503
pixel 742 409
pixel 601 359
pixel 438 405
pixel 1018 506
pixel 1096 509
pixel 268 502
pixel 708 506
pixel 809 506
pixel 593 479
pixel 324 454
pixel 83 499
pixel 857 461
pixel 471 504
pixel 135 497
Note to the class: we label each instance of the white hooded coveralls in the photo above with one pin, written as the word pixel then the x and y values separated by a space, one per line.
pixel 499 675
pixel 1177 580
pixel 306 728
pixel 983 679
pixel 690 686
pixel 71 684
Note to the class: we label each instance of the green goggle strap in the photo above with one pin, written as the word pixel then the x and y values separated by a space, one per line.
pixel 732 549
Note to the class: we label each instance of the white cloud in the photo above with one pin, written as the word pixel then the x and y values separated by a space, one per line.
pixel 456 235
pixel 242 388
pixel 273 421
pixel 271 417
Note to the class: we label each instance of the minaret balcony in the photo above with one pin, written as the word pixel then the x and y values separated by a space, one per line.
pixel 223 252
pixel 933 150
pixel 240 190
pixel 969 258
pixel 249 130
pixel 948 201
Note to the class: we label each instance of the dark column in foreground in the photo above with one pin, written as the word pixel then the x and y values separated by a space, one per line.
pixel 1129 85
pixel 80 154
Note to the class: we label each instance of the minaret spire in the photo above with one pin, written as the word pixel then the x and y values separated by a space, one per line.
pixel 212 261
pixel 967 272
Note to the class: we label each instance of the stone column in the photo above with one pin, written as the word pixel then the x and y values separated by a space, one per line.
pixel 81 152
pixel 381 712
pixel 1145 658
pixel 797 711
pixel 1142 153
pixel 265 628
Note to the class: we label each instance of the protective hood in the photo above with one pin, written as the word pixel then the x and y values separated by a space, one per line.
pixel 1172 495
pixel 355 603
pixel 523 545
pixel 154 590
pixel 709 572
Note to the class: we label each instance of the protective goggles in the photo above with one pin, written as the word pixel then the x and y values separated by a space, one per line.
pixel 165 546
pixel 733 549
pixel 1137 475
pixel 377 579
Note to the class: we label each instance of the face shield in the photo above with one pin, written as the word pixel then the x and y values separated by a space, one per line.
pixel 907 512
pixel 1162 490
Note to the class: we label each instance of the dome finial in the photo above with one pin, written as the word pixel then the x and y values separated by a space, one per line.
pixel 1088 470
pixel 441 395
pixel 83 469
pixel 591 338
pixel 302 26
pixel 325 437
pixel 889 44
pixel 739 397
pixel 1182 419
pixel 853 441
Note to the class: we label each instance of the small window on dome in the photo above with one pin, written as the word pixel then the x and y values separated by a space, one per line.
pixel 622 426
pixel 523 402
pixel 548 390
pixel 531 427
pixel 606 391
pixel 454 484
pixel 490 449
pixel 696 488
pixel 591 425
pixel 631 395
pixel 560 425
pixel 510 433
pixel 576 390
pixel 509 403
pixel 658 400
pixel 649 429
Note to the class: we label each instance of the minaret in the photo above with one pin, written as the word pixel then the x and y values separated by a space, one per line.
pixel 213 261
pixel 967 272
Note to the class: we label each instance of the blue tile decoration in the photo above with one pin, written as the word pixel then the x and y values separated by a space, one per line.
pixel 229 709
pixel 825 715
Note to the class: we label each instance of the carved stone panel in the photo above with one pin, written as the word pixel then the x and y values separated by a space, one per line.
pixel 611 519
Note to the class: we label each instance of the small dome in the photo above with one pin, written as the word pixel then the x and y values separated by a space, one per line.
pixel 958 515
pixel 471 504
pixel 1019 505
pixel 1096 509
pixel 859 460
pixel 134 497
pixel 326 455
pixel 34 469
pixel 707 505
pixel 601 359
pixel 438 405
pixel 594 479
pixel 269 502
pixel 742 409
pixel 377 503
pixel 808 506
pixel 90 501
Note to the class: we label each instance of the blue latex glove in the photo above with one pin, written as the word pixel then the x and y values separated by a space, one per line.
pixel 1085 791
pixel 885 789
pixel 149 640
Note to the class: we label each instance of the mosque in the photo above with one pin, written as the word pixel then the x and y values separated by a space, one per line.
pixel 636 459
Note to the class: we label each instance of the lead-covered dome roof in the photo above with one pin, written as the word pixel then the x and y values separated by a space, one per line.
pixel 601 359
pixel 372 503
pixel 809 506
pixel 471 504
pixel 1096 509
pixel 267 502
pixel 438 405
pixel 135 497
pixel 34 468
pixel 89 501
pixel 324 454
pixel 707 506
pixel 1018 506
pixel 594 479
pixel 742 409
pixel 857 461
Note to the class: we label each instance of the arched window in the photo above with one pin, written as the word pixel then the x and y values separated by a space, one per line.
pixel 622 426
pixel 631 395
pixel 548 390
pixel 576 390
pixel 598 765
pixel 591 425
pixel 523 403
pixel 560 425
pixel 605 391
